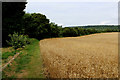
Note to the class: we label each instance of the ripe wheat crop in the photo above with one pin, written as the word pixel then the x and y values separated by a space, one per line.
pixel 91 56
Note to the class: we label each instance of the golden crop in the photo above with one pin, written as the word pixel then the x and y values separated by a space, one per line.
pixel 91 56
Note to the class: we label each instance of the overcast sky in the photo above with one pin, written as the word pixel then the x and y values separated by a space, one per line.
pixel 77 12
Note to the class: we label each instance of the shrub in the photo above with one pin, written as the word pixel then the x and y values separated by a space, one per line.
pixel 18 41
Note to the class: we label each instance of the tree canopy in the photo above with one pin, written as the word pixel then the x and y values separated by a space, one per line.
pixel 12 13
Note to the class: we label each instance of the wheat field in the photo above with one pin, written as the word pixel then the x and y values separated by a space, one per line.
pixel 90 56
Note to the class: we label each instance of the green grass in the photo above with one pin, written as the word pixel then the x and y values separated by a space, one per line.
pixel 34 68
pixel 28 64
pixel 22 61
pixel 5 55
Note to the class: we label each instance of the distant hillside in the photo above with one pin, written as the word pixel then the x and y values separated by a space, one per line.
pixel 98 26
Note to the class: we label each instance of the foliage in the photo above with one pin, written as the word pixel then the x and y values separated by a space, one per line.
pixel 67 32
pixel 99 27
pixel 36 25
pixel 18 41
pixel 78 31
pixel 7 54
pixel 11 18
pixel 55 30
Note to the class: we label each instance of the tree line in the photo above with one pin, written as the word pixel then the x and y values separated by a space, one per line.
pixel 37 25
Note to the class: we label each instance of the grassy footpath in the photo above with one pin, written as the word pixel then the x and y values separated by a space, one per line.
pixel 34 68
pixel 28 64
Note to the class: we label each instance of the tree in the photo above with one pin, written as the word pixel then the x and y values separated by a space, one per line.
pixel 81 31
pixel 36 25
pixel 55 30
pixel 70 32
pixel 11 18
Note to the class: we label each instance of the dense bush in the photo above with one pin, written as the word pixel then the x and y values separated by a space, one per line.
pixel 18 41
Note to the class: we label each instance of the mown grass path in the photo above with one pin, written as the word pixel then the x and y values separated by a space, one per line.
pixel 34 68
pixel 28 64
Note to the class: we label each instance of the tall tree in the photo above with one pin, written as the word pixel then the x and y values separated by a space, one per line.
pixel 55 30
pixel 12 13
pixel 36 25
